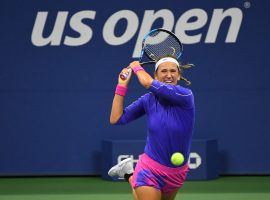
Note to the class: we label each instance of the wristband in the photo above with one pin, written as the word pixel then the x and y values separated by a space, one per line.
pixel 121 90
pixel 137 68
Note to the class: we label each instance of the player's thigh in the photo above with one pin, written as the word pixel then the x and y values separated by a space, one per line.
pixel 147 193
pixel 170 196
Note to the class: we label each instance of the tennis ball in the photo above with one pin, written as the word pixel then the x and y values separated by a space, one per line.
pixel 177 159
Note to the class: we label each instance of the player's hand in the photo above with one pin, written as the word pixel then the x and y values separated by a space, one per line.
pixel 128 72
pixel 134 64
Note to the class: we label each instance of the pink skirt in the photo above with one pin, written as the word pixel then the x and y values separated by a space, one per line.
pixel 150 173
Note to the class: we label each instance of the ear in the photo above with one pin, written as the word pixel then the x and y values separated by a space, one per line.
pixel 179 74
pixel 155 75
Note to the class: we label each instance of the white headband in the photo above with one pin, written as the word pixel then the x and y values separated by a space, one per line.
pixel 166 59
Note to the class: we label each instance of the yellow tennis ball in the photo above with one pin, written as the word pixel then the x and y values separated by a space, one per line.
pixel 177 159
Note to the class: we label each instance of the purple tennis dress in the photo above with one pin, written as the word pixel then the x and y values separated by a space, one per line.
pixel 170 114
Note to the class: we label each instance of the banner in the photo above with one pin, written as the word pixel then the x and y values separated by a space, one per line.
pixel 59 66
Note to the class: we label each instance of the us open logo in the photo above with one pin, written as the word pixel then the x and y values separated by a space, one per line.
pixel 181 27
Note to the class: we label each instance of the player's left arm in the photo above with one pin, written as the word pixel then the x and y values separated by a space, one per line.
pixel 144 78
pixel 177 95
pixel 133 111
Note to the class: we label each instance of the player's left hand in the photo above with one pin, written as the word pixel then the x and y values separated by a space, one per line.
pixel 134 64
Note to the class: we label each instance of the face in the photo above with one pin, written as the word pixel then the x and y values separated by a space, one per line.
pixel 167 72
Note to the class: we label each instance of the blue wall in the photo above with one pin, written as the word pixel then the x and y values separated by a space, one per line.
pixel 55 98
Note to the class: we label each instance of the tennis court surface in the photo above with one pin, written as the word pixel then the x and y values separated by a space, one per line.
pixel 88 188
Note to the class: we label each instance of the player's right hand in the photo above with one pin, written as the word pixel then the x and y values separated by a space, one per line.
pixel 128 72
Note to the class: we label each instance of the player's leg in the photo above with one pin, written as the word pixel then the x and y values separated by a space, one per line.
pixel 147 193
pixel 173 180
pixel 124 169
pixel 170 196
pixel 135 197
pixel 133 191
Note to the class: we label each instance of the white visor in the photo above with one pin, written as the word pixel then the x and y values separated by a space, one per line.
pixel 166 59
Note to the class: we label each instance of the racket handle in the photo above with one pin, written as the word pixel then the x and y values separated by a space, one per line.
pixel 124 76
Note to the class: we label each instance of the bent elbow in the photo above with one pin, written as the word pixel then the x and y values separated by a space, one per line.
pixel 147 84
pixel 114 120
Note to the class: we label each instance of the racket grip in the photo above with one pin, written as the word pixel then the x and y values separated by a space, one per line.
pixel 124 76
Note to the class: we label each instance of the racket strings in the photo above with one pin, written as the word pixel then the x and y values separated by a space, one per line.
pixel 162 49
pixel 160 44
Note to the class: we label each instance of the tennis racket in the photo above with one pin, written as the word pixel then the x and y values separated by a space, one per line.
pixel 156 44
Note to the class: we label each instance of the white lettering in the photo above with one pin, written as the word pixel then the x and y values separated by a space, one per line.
pixel 197 163
pixel 183 25
pixel 123 157
pixel 217 18
pixel 56 35
pixel 148 19
pixel 84 30
pixel 110 25
pixel 191 20
pixel 194 160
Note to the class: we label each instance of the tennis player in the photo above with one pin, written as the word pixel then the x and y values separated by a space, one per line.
pixel 170 116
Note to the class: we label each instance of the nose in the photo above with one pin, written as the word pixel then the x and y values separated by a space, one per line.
pixel 169 74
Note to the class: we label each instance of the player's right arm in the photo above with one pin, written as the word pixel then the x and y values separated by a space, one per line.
pixel 118 100
pixel 135 110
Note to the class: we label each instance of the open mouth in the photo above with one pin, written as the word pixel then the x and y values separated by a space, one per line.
pixel 168 81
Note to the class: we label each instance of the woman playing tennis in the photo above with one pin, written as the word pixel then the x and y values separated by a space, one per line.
pixel 170 118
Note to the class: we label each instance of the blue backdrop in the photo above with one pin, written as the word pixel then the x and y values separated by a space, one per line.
pixel 60 60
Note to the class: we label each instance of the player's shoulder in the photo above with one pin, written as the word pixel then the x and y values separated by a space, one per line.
pixel 184 90
pixel 149 97
pixel 145 96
